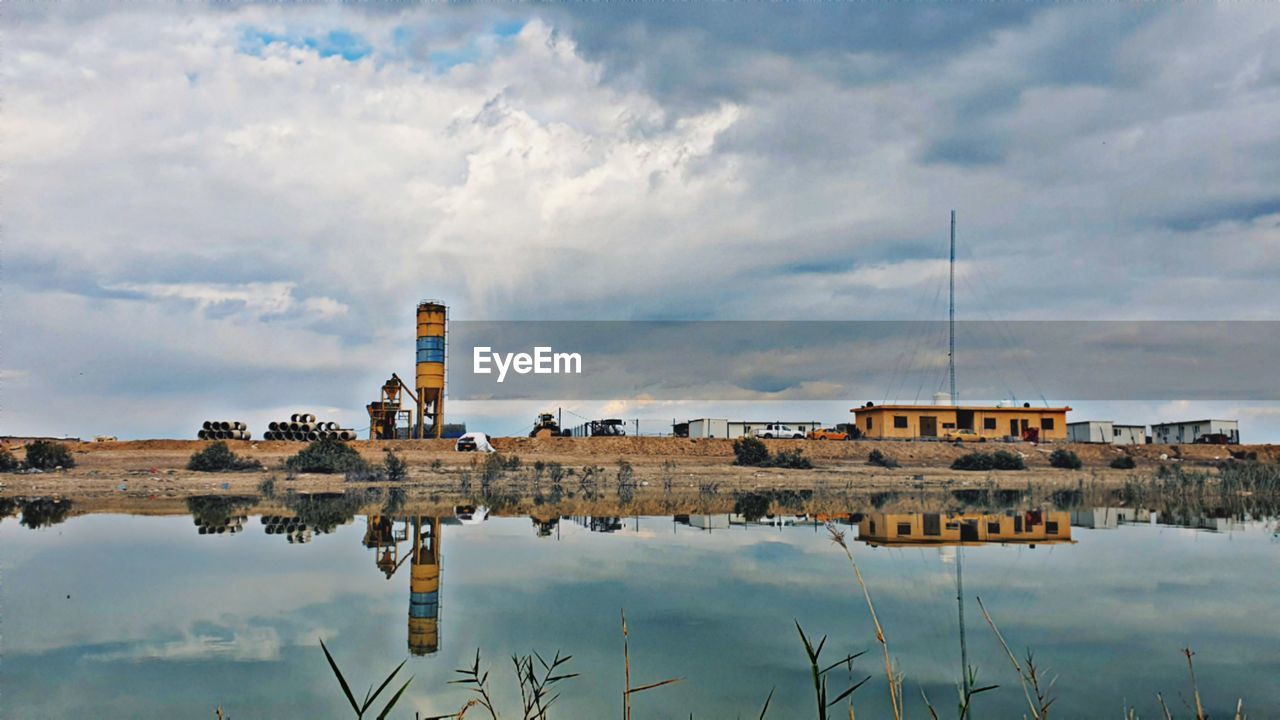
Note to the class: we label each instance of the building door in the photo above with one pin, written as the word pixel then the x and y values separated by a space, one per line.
pixel 1013 428
pixel 969 531
pixel 928 426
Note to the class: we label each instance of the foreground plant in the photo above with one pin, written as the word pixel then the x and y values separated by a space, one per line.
pixel 362 707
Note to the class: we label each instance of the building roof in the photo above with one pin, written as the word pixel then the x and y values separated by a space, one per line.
pixel 983 408
pixel 1192 422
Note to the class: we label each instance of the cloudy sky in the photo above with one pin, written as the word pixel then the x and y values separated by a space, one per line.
pixel 230 211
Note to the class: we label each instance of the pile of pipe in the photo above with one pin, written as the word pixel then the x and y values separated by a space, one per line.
pixel 304 427
pixel 223 430
pixel 294 530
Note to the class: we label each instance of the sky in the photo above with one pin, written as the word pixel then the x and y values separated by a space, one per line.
pixel 230 211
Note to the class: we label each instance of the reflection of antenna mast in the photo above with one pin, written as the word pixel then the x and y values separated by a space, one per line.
pixel 951 327
pixel 964 649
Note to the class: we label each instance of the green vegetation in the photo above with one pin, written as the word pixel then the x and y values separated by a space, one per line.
pixel 1065 459
pixel 752 452
pixel 46 455
pixel 326 456
pixel 8 463
pixel 324 512
pixel 43 511
pixel 879 459
pixel 360 708
pixel 1124 462
pixel 394 467
pixel 219 458
pixel 998 460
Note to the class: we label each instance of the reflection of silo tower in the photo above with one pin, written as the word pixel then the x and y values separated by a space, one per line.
pixel 432 319
pixel 424 587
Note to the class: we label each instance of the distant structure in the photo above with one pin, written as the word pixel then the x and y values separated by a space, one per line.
pixel 1222 432
pixel 1106 432
pixel 910 422
pixel 723 428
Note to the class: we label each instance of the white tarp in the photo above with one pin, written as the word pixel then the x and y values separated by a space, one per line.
pixel 480 439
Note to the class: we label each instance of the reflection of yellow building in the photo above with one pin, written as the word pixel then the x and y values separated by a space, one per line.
pixel 384 535
pixel 424 587
pixel 906 422
pixel 1021 527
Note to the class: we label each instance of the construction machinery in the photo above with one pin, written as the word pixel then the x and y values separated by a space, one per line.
pixel 545 425
pixel 609 427
pixel 387 414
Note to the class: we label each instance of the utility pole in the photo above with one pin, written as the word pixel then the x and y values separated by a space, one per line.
pixel 951 334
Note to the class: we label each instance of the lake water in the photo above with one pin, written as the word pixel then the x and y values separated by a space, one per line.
pixel 116 616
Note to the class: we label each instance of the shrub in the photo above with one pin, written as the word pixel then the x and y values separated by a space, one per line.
pixel 791 459
pixel 1005 460
pixel 998 460
pixel 1124 462
pixel 750 451
pixel 1065 459
pixel 219 458
pixel 972 461
pixel 326 456
pixel 395 468
pixel 8 463
pixel 46 455
pixel 881 460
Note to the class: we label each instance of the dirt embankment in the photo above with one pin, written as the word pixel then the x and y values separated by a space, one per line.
pixel 151 475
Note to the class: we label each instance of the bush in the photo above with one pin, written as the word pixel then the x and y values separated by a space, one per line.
pixel 219 458
pixel 1124 462
pixel 8 463
pixel 792 460
pixel 998 460
pixel 395 468
pixel 327 456
pixel 881 460
pixel 751 452
pixel 1005 460
pixel 1065 459
pixel 45 455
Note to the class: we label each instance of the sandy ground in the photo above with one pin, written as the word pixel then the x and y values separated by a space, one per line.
pixel 150 476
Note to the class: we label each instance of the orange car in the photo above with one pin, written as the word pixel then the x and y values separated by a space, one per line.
pixel 828 434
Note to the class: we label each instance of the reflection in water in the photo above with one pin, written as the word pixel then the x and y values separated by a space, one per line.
pixel 37 512
pixel 220 514
pixel 73 601
pixel 1029 527
pixel 290 526
pixel 384 535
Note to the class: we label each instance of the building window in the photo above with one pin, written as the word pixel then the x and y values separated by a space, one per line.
pixel 1051 527
pixel 900 421
pixel 904 528
pixel 988 423
pixel 868 423
pixel 1046 423
pixel 948 426
pixel 993 528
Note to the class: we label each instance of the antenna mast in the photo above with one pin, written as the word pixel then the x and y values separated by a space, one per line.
pixel 951 334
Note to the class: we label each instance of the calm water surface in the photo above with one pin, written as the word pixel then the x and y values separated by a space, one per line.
pixel 112 616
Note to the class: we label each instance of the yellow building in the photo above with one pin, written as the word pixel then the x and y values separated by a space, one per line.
pixel 908 422
pixel 1040 527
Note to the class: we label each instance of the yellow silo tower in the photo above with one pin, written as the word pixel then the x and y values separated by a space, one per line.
pixel 433 319
pixel 424 587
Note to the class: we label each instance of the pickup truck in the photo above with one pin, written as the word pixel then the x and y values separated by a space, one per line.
pixel 779 431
